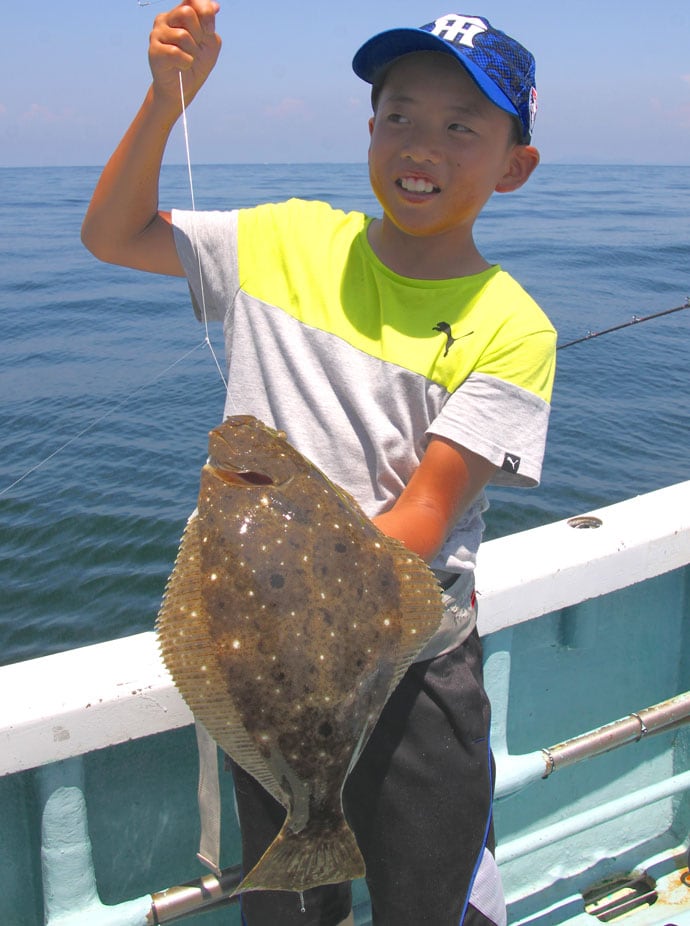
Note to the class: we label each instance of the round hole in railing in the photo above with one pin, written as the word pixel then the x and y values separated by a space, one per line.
pixel 585 522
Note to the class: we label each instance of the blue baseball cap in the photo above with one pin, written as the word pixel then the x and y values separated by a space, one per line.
pixel 502 69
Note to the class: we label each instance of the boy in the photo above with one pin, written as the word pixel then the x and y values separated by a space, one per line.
pixel 405 366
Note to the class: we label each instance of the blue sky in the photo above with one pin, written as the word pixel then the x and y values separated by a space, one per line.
pixel 613 78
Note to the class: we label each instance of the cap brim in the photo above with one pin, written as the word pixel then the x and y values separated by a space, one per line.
pixel 381 50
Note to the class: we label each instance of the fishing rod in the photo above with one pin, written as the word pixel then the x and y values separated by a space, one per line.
pixel 635 320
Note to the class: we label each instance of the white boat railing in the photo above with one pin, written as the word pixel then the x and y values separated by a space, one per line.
pixel 59 706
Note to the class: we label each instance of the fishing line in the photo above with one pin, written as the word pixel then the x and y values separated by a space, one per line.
pixel 205 343
pixel 590 336
pixel 97 421
pixel 185 131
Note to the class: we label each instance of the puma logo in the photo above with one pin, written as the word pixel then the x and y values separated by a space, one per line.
pixel 444 328
pixel 511 463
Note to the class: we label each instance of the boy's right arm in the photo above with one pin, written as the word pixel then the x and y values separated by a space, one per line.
pixel 123 224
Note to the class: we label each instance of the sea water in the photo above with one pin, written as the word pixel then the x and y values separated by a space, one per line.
pixel 107 390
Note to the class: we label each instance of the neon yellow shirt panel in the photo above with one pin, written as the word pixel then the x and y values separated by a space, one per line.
pixel 316 264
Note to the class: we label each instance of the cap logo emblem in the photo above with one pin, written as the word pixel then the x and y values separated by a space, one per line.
pixel 532 107
pixel 460 30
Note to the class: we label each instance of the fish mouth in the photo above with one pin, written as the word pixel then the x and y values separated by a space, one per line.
pixel 244 478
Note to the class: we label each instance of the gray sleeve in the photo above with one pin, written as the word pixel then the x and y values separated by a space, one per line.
pixel 207 246
pixel 501 422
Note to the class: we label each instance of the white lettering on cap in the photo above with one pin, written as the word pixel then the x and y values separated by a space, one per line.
pixel 462 29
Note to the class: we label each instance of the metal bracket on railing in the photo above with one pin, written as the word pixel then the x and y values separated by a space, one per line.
pixel 194 897
pixel 516 772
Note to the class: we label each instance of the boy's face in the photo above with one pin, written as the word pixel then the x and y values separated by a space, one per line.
pixel 439 148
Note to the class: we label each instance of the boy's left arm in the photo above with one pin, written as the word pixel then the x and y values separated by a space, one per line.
pixel 447 480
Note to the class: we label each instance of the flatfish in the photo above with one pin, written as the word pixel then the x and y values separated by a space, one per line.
pixel 287 622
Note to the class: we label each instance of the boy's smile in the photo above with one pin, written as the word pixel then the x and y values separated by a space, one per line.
pixel 417 184
pixel 439 148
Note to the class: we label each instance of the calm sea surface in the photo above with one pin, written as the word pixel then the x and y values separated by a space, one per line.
pixel 107 391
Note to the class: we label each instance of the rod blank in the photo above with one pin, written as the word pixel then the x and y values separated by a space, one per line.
pixel 635 320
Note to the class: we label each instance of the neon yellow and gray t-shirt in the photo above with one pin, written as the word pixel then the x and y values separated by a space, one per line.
pixel 358 365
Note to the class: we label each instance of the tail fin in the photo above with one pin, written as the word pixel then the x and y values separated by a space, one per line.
pixel 318 854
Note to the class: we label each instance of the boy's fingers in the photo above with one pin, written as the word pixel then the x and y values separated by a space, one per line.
pixel 184 40
pixel 177 38
pixel 181 33
pixel 196 15
pixel 196 18
pixel 207 17
pixel 176 26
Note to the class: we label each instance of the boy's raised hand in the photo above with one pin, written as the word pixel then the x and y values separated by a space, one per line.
pixel 183 40
pixel 123 224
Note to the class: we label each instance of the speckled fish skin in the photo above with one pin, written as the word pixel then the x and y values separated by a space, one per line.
pixel 286 624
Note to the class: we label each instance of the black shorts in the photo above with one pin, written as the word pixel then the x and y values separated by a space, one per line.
pixel 419 802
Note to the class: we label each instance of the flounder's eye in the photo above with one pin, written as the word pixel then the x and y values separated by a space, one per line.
pixel 247 478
